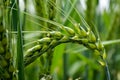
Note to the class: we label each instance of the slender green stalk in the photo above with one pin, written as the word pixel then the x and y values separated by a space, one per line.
pixel 65 66
pixel 14 15
pixel 24 19
pixel 107 71
pixel 111 42
pixel 20 63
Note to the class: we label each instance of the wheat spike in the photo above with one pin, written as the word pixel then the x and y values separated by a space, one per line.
pixel 78 35
pixel 6 65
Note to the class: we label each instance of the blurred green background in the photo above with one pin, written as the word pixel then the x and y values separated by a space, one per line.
pixel 70 61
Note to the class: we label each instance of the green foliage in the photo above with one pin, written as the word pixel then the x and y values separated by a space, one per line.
pixel 59 40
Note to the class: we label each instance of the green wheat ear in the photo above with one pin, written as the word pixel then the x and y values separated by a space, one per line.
pixel 77 35
pixel 66 34
pixel 54 38
pixel 6 66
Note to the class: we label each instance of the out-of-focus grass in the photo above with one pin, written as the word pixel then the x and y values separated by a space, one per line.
pixel 81 63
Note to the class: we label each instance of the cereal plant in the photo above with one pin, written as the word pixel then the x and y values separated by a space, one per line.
pixel 59 40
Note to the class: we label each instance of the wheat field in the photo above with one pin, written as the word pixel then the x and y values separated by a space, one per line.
pixel 59 40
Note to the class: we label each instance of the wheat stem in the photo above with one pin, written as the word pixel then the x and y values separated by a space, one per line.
pixel 107 71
